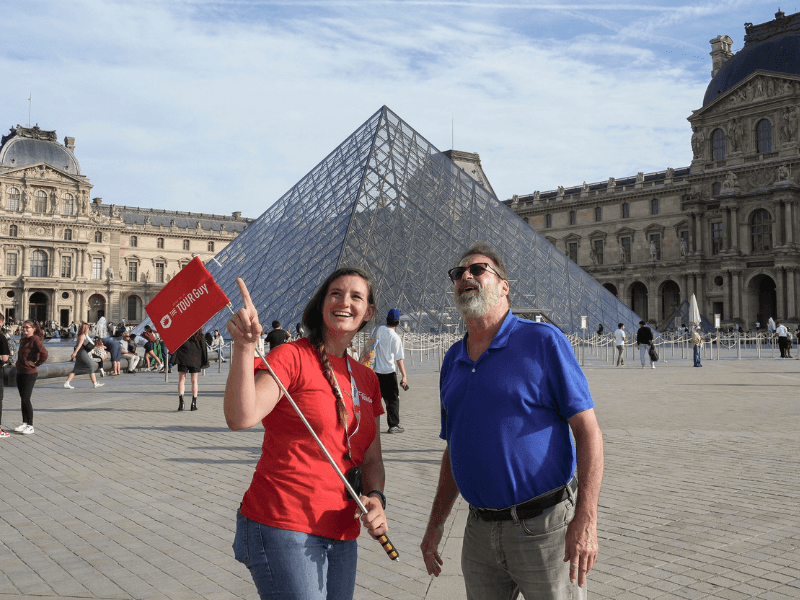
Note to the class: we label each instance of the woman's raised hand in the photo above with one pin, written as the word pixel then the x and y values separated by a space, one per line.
pixel 244 326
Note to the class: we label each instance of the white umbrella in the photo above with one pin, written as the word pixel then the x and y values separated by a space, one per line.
pixel 694 312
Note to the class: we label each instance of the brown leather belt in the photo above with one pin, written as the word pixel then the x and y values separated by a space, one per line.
pixel 531 508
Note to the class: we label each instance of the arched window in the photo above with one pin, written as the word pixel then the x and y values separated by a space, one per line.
pixel 716 189
pixel 548 221
pixel 573 217
pixel 40 203
pixel 598 214
pixel 67 205
pixel 718 145
pixel 626 210
pixel 761 230
pixel 68 234
pixel 13 199
pixel 160 243
pixel 38 263
pixel 185 244
pixel 654 206
pixel 98 237
pixel 134 241
pixel 764 136
pixel 12 231
pixel 210 246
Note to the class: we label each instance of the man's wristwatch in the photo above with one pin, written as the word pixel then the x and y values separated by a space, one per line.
pixel 380 493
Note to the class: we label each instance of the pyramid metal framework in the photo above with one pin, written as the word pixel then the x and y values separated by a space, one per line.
pixel 387 200
pixel 681 317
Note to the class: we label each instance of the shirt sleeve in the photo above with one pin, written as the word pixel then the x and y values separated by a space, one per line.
pixel 567 382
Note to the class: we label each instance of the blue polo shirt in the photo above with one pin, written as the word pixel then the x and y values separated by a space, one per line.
pixel 504 416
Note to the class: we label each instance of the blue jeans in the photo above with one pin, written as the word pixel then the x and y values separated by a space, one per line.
pixel 644 353
pixel 697 356
pixel 289 565
pixel 499 559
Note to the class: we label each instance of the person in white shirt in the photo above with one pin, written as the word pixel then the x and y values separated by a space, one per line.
pixel 619 337
pixel 783 338
pixel 388 351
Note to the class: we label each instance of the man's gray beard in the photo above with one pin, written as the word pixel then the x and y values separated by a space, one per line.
pixel 477 305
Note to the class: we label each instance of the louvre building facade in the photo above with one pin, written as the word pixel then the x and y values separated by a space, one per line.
pixel 725 227
pixel 66 257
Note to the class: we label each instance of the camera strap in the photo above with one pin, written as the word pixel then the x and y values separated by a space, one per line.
pixel 356 405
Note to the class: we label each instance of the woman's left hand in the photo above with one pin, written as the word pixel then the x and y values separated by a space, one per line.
pixel 375 519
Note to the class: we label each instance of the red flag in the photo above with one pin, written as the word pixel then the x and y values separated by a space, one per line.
pixel 185 304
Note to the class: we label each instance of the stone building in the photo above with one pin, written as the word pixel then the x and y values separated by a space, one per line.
pixel 68 258
pixel 724 228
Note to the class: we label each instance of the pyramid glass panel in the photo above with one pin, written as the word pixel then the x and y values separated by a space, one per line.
pixel 389 201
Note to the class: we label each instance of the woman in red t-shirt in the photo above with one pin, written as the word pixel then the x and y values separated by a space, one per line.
pixel 296 529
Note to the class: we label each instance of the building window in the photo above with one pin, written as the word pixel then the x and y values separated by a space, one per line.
pixel 185 244
pixel 598 251
pixel 67 205
pixel 11 264
pixel 40 202
pixel 716 189
pixel 684 201
pixel 716 237
pixel 761 230
pixel 626 210
pixel 654 206
pixel 573 217
pixel 684 238
pixel 625 244
pixel 764 136
pixel 66 266
pixel 718 145
pixel 548 222
pixel 38 263
pixel 210 246
pixel 159 272
pixel 68 234
pixel 12 231
pixel 655 239
pixel 598 214
pixel 133 271
pixel 133 305
pixel 572 251
pixel 97 268
pixel 98 237
pixel 13 199
pixel 134 241
pixel 160 243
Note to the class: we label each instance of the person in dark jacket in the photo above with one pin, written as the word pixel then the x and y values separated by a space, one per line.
pixel 644 339
pixel 190 357
pixel 30 356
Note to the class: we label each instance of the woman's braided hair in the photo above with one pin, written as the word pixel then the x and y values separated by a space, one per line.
pixel 315 326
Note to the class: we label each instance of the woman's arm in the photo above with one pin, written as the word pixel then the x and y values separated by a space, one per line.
pixel 78 345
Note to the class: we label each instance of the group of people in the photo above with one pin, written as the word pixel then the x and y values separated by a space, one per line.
pixel 644 342
pixel 510 391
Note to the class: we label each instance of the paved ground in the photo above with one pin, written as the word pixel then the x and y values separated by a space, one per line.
pixel 118 496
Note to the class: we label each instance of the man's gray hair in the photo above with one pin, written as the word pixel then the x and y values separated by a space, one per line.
pixel 485 249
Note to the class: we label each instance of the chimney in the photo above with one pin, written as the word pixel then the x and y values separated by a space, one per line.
pixel 97 201
pixel 69 142
pixel 237 214
pixel 720 52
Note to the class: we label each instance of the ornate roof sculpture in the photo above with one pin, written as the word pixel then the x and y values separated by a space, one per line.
pixel 25 146
pixel 388 200
pixel 773 47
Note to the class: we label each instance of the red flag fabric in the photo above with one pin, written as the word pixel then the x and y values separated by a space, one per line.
pixel 185 304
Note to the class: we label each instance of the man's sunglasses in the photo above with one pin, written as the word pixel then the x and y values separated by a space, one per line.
pixel 475 269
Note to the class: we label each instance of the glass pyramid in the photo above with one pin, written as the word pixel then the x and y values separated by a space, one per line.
pixel 389 201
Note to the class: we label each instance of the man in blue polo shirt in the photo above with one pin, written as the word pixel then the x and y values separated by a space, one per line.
pixel 511 390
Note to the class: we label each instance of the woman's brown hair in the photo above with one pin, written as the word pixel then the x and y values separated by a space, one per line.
pixel 37 331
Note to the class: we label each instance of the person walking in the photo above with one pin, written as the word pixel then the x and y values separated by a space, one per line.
pixel 5 354
pixel 83 361
pixel 644 340
pixel 697 343
pixel 619 339
pixel 191 357
pixel 296 528
pixel 31 354
pixel 782 333
pixel 511 394
pixel 388 351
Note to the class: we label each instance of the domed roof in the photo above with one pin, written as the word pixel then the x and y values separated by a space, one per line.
pixel 24 147
pixel 773 46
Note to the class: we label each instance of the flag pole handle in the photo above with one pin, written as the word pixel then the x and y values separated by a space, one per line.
pixel 383 540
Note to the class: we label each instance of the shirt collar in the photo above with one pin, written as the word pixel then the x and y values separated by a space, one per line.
pixel 500 339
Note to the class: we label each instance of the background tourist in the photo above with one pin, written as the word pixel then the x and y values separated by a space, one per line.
pixel 277 336
pixel 31 354
pixel 114 347
pixel 388 351
pixel 83 362
pixel 191 357
pixel 644 339
pixel 619 339
pixel 218 344
pixel 697 343
pixel 296 529
pixel 150 339
pixel 5 354
pixel 128 349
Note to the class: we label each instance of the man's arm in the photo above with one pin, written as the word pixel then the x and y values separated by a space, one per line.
pixel 581 545
pixel 446 495
pixel 404 380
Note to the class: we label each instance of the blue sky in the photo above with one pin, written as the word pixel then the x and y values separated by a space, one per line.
pixel 216 106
